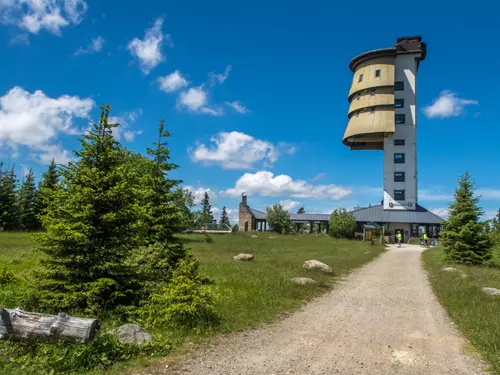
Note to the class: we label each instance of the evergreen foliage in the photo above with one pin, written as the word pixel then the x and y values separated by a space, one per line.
pixel 464 238
pixel 27 204
pixel 207 215
pixel 278 218
pixel 92 225
pixel 301 210
pixel 47 184
pixel 342 224
pixel 224 219
pixel 9 200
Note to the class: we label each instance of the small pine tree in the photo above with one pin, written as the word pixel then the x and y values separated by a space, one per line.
pixel 9 200
pixel 464 238
pixel 47 184
pixel 207 216
pixel 27 203
pixel 224 219
pixel 92 224
pixel 301 210
pixel 278 218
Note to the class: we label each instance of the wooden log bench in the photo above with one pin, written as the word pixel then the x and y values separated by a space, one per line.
pixel 19 325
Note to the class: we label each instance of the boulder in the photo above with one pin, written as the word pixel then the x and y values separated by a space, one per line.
pixel 255 236
pixel 132 334
pixel 453 269
pixel 491 291
pixel 316 264
pixel 302 280
pixel 272 238
pixel 244 257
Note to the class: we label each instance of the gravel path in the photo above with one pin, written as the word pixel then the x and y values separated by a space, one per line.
pixel 384 319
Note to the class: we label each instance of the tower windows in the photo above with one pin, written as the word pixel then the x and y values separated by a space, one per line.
pixel 399 158
pixel 398 85
pixel 372 92
pixel 377 73
pixel 360 78
pixel 399 177
pixel 399 195
pixel 400 119
pixel 399 103
pixel 399 142
pixel 372 110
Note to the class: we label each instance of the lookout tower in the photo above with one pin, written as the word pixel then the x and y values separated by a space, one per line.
pixel 383 115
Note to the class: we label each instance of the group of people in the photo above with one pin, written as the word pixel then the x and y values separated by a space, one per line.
pixel 399 237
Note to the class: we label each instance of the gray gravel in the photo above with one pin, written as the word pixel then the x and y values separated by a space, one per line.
pixel 383 319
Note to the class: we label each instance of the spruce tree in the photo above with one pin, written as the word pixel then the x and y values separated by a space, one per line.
pixel 92 224
pixel 165 212
pixel 301 210
pixel 9 200
pixel 464 238
pixel 224 219
pixel 47 184
pixel 27 203
pixel 207 215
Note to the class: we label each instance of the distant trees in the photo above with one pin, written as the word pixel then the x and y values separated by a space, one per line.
pixel 207 217
pixel 342 224
pixel 464 237
pixel 224 218
pixel 9 200
pixel 27 203
pixel 301 210
pixel 278 218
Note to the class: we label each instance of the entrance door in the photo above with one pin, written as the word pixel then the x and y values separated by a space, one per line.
pixel 396 235
pixel 246 226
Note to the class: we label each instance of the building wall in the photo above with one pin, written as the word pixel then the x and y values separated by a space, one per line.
pixel 406 69
pixel 368 68
pixel 245 217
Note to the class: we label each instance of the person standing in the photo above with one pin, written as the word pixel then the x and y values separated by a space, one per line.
pixel 400 238
pixel 426 240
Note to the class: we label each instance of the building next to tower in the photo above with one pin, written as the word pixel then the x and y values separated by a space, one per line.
pixel 382 116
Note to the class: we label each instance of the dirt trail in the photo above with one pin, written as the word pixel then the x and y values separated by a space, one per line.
pixel 384 319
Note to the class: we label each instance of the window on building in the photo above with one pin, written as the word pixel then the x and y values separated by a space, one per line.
pixel 357 113
pixel 399 195
pixel 372 92
pixel 399 103
pixel 399 142
pixel 360 78
pixel 377 73
pixel 399 177
pixel 399 85
pixel 358 96
pixel 400 119
pixel 372 110
pixel 399 158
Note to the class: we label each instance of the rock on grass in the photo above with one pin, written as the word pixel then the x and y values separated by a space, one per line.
pixel 244 257
pixel 316 264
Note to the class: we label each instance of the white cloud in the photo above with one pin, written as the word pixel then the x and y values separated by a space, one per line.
pixel 94 46
pixel 266 184
pixel 56 152
pixel 490 194
pixel 238 107
pixel 219 78
pixel 289 205
pixel 447 105
pixel 319 176
pixel 287 148
pixel 125 121
pixel 148 50
pixel 443 212
pixel 196 100
pixel 25 170
pixel 36 15
pixel 172 82
pixel 235 150
pixel 35 120
pixel 199 193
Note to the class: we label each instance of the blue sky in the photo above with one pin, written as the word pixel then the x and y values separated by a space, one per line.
pixel 255 94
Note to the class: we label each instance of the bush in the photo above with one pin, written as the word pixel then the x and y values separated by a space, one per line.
pixel 342 224
pixel 185 302
pixel 278 218
pixel 7 276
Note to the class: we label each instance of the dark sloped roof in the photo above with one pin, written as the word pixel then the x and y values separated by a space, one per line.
pixel 378 214
pixel 369 214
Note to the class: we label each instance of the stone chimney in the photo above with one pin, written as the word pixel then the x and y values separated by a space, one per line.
pixel 243 199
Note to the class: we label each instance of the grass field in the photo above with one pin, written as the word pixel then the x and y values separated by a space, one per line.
pixel 476 314
pixel 250 293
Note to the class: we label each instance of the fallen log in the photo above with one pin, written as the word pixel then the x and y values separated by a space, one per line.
pixel 19 325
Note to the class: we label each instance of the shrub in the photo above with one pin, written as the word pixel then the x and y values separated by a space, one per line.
pixel 342 224
pixel 7 276
pixel 185 302
pixel 278 218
